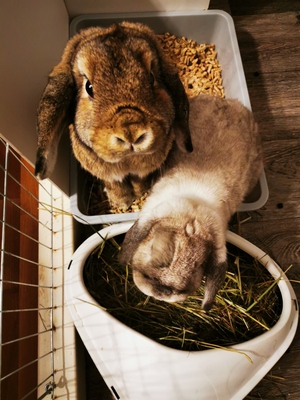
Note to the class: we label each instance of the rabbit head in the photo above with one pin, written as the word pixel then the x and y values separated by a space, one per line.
pixel 170 256
pixel 122 98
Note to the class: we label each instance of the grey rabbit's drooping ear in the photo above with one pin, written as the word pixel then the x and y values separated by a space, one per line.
pixel 133 238
pixel 215 277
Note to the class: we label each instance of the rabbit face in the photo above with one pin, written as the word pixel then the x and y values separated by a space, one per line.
pixel 122 99
pixel 123 113
pixel 170 256
pixel 166 267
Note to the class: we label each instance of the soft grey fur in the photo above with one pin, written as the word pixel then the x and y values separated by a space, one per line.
pixel 180 235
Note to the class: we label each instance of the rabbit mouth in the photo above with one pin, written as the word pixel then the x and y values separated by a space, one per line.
pixel 160 292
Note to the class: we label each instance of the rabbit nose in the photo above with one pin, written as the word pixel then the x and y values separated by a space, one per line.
pixel 140 137
pixel 131 131
pixel 134 139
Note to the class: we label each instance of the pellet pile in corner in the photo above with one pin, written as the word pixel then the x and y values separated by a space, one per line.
pixel 197 64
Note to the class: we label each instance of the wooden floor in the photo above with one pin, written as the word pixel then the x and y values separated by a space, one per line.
pixel 269 38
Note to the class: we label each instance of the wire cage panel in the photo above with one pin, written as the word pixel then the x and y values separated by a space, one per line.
pixel 37 350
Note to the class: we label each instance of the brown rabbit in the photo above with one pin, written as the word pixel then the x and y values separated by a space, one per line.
pixel 180 235
pixel 125 105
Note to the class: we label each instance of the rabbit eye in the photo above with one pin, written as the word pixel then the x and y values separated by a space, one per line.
pixel 89 88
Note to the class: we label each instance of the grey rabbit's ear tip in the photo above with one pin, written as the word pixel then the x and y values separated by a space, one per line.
pixel 207 306
pixel 122 257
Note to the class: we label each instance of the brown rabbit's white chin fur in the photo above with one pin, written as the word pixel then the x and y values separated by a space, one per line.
pixel 180 235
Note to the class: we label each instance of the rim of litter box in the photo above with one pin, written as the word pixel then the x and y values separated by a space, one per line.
pixel 289 313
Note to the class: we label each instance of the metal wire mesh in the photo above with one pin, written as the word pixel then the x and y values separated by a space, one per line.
pixel 36 242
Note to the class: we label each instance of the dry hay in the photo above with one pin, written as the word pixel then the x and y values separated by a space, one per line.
pixel 248 304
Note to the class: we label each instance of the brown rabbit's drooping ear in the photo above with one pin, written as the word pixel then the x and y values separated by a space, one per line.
pixel 175 89
pixel 181 124
pixel 181 103
pixel 54 115
pixel 55 111
pixel 57 106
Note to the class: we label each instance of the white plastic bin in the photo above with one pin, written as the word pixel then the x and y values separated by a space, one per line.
pixel 136 367
pixel 211 26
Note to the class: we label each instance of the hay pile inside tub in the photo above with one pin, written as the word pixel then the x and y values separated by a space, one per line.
pixel 200 73
pixel 248 304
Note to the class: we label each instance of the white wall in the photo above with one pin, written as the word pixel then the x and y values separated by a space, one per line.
pixel 33 34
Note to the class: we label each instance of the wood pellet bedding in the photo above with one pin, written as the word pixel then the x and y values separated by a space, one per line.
pixel 200 73
pixel 197 64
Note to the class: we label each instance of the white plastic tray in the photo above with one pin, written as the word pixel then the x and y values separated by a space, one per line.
pixel 210 26
pixel 135 367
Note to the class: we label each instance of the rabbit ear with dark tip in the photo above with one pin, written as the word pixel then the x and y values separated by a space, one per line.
pixel 181 103
pixel 215 277
pixel 55 113
pixel 57 107
pixel 133 238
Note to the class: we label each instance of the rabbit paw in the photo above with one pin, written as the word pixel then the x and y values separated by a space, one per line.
pixel 142 185
pixel 119 194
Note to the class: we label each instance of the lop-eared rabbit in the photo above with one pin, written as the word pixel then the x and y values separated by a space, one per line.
pixel 124 104
pixel 180 234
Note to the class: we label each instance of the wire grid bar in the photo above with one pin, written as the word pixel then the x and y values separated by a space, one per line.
pixel 27 259
pixel 39 385
pixel 27 284
pixel 27 365
pixel 25 337
pixel 15 173
pixel 26 309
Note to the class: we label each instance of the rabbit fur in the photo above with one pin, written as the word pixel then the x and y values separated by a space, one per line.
pixel 124 104
pixel 180 235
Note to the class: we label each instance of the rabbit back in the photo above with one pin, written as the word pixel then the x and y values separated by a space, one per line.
pixel 227 158
pixel 180 235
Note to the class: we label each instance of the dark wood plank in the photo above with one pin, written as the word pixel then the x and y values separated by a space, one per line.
pixel 269 43
pixel 282 167
pixel 269 46
pixel 280 239
pixel 255 7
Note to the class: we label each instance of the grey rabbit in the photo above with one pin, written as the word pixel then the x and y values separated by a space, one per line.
pixel 180 234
